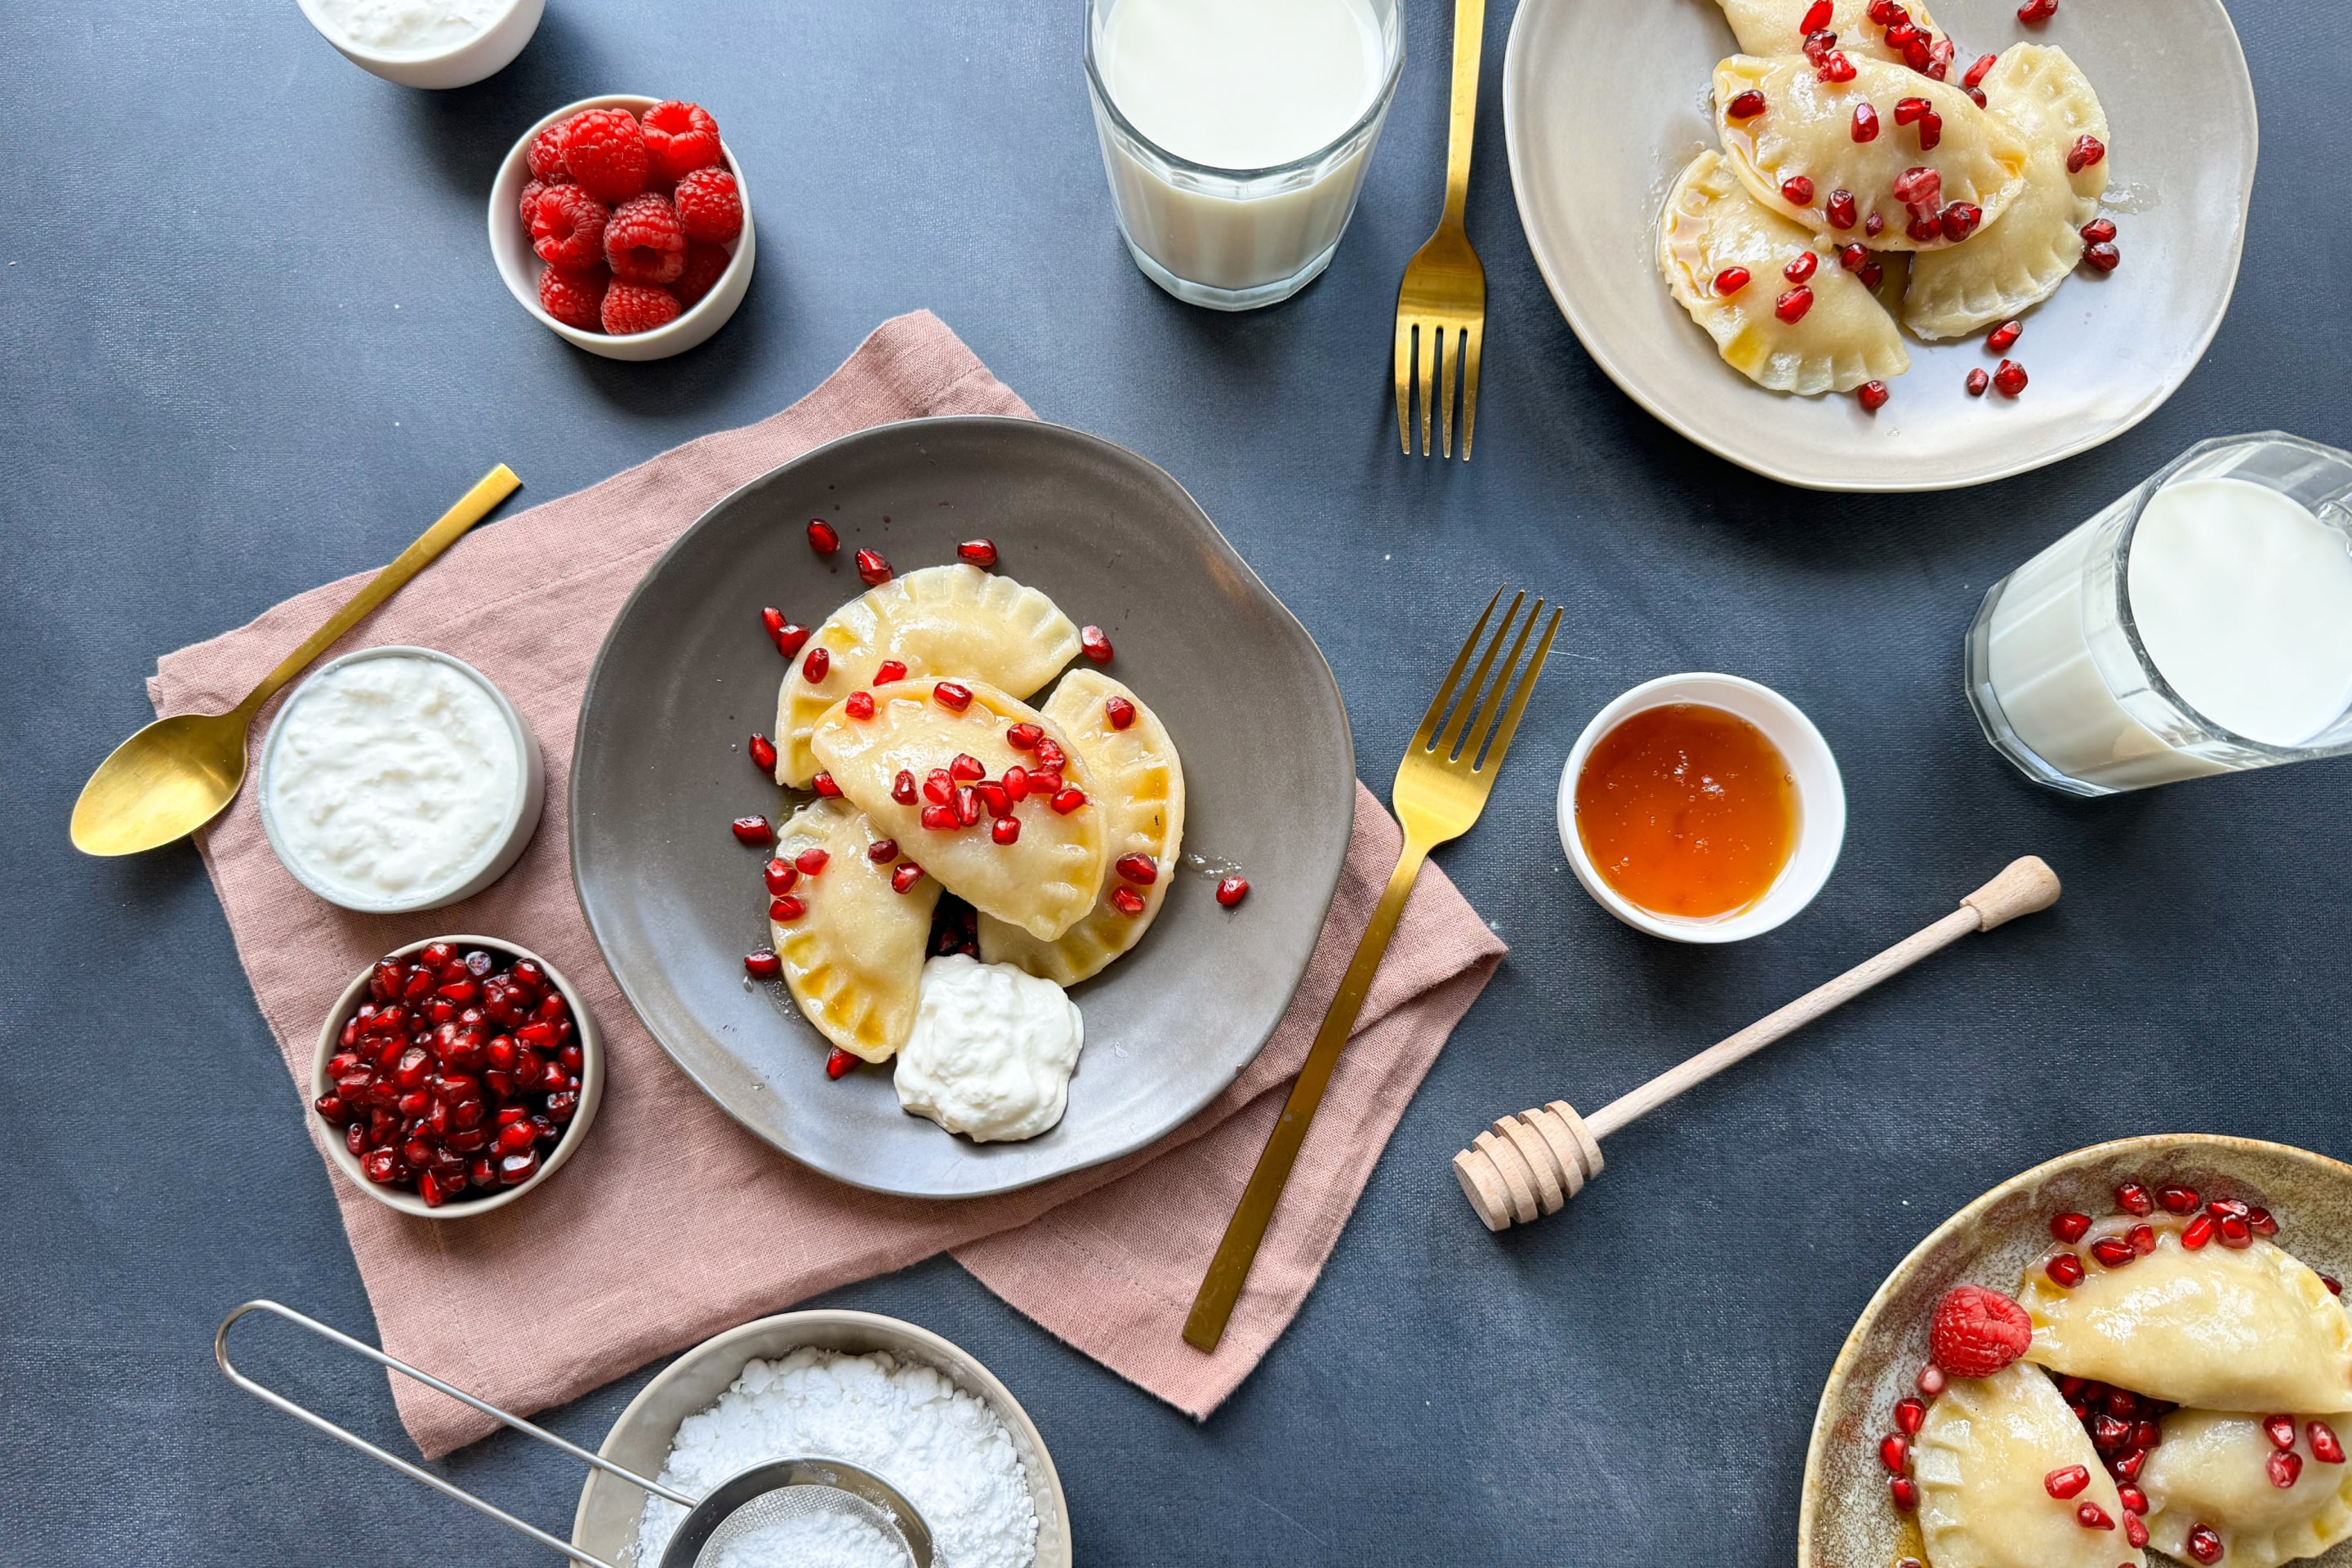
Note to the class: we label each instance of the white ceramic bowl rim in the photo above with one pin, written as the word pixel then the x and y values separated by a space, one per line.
pixel 1821 801
pixel 358 51
pixel 636 103
pixel 509 821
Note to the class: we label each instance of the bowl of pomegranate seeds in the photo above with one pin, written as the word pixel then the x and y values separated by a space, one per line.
pixel 455 1075
pixel 624 224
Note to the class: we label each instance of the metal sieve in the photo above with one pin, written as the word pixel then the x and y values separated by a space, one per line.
pixel 781 1491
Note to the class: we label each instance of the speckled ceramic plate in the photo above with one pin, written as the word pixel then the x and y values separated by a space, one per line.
pixel 1845 1520
pixel 686 675
pixel 1602 109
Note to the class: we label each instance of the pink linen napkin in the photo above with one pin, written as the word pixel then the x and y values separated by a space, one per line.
pixel 672 1223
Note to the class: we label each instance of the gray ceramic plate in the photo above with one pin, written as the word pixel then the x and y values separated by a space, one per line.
pixel 1600 114
pixel 685 675
pixel 1845 1520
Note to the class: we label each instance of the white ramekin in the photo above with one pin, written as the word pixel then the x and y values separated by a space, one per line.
pixel 1821 806
pixel 485 53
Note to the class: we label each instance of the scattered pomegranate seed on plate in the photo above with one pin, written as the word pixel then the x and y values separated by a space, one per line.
pixel 2009 381
pixel 839 1064
pixel 784 910
pixel 1895 1452
pixel 763 753
pixel 2000 341
pixel 822 537
pixel 1094 644
pixel 781 876
pixel 2102 257
pixel 1905 1491
pixel 752 830
pixel 872 568
pixel 1232 891
pixel 2065 1270
pixel 977 552
pixel 2099 231
pixel 1871 395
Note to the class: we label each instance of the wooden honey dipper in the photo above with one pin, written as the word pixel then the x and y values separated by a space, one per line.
pixel 1531 1164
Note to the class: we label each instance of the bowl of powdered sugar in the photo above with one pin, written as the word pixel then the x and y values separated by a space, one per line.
pixel 875 1392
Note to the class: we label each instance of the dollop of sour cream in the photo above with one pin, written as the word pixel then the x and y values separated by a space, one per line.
pixel 992 1051
pixel 392 778
pixel 409 27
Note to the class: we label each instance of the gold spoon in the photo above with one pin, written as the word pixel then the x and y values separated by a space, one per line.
pixel 177 773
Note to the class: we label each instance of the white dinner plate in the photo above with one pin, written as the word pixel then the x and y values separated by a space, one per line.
pixel 1604 103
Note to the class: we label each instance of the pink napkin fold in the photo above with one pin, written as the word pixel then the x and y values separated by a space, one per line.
pixel 672 1223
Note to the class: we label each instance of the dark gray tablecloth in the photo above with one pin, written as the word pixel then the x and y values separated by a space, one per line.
pixel 250 340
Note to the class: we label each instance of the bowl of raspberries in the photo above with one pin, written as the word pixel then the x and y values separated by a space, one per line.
pixel 624 225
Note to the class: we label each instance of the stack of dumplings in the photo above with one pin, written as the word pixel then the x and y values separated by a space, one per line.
pixel 1855 193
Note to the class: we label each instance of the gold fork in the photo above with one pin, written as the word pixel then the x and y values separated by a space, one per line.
pixel 1441 786
pixel 1444 295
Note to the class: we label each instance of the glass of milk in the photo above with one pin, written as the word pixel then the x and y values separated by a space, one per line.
pixel 1236 133
pixel 2200 625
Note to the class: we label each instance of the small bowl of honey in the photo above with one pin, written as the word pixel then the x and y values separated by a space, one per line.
pixel 1702 808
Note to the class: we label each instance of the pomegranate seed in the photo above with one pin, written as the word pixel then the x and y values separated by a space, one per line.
pixel 966 767
pixel 2221 1206
pixel 330 1106
pixel 978 552
pixel 771 621
pixel 995 798
pixel 2000 341
pixel 811 861
pixel 1886 12
pixel 1731 280
pixel 1140 869
pixel 790 638
pixel 2286 1469
pixel 2099 231
pixel 2125 1467
pixel 2091 1516
pixel 1094 644
pixel 1920 189
pixel 1865 123
pixel 839 1064
pixel 1853 257
pixel 1960 220
pixel 382 1167
pixel 2280 1430
pixel 2324 1447
pixel 2335 1286
pixel 1872 227
pixel 1925 227
pixel 1016 783
pixel 872 570
pixel 2134 1499
pixel 786 910
pixel 952 695
pixel 888 671
pixel 1918 55
pixel 1910 1414
pixel 1232 890
pixel 1931 130
pixel 2069 1227
pixel 1005 829
pixel 1893 1450
pixel 902 788
pixel 1067 801
pixel 1791 306
pixel 823 783
pixel 1902 33
pixel 2203 1544
pixel 905 877
pixel 2142 1238
pixel 824 538
pixel 1939 58
pixel 938 787
pixel 429 1188
pixel 1023 737
pixel 515 1135
pixel 1871 274
pixel 1818 44
pixel 858 705
pixel 1817 17
pixel 514 1170
pixel 1977 95
pixel 763 753
pixel 2067 1482
pixel 2065 1268
pixel 939 818
pixel 2113 1251
pixel 1796 190
pixel 2146 1435
pixel 2009 381
pixel 966 806
pixel 816 666
pixel 1747 105
pixel 2197 1233
pixel 1907 110
pixel 1977 72
pixel 355 1137
pixel 2086 152
pixel 1836 66
pixel 1871 395
pixel 2109 1435
pixel 2135 1533
pixel 1045 782
pixel 781 876
pixel 1905 1491
pixel 752 830
pixel 882 851
pixel 2260 1218
pixel 2236 1233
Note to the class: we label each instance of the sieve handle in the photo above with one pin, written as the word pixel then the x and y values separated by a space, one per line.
pixel 312 1418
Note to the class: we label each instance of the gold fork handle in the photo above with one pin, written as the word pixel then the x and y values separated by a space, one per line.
pixel 1469 33
pixel 1231 1267
pixel 472 507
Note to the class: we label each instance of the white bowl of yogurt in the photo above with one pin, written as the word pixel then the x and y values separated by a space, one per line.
pixel 399 779
pixel 426 43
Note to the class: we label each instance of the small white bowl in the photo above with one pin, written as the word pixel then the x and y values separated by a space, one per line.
pixel 523 812
pixel 592 1086
pixel 1821 806
pixel 485 53
pixel 519 265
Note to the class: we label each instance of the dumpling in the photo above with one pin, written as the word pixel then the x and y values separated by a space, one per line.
pixel 1777 26
pixel 2213 1469
pixel 939 620
pixel 1139 784
pixel 1044 874
pixel 2021 259
pixel 854 958
pixel 1801 145
pixel 1711 224
pixel 1981 1461
pixel 2218 1327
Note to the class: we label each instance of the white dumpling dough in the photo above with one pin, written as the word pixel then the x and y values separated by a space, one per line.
pixel 1980 1460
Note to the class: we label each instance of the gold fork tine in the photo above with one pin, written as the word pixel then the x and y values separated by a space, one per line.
pixel 1474 740
pixel 1495 754
pixel 1429 340
pixel 1424 737
pixel 1404 357
pixel 1469 384
pixel 1452 363
pixel 1445 743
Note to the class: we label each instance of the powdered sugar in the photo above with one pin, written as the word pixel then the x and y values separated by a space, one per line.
pixel 908 1423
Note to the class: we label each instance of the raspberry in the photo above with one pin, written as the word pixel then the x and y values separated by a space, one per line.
pixel 575 299
pixel 567 227
pixel 638 307
pixel 643 242
pixel 546 153
pixel 605 152
pixel 530 202
pixel 681 138
pixel 1978 1331
pixel 708 206
pixel 704 263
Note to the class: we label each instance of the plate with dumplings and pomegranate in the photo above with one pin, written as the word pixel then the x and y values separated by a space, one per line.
pixel 956 808
pixel 1855 246
pixel 2137 1351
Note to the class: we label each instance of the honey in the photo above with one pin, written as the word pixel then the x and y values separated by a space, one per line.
pixel 1687 810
